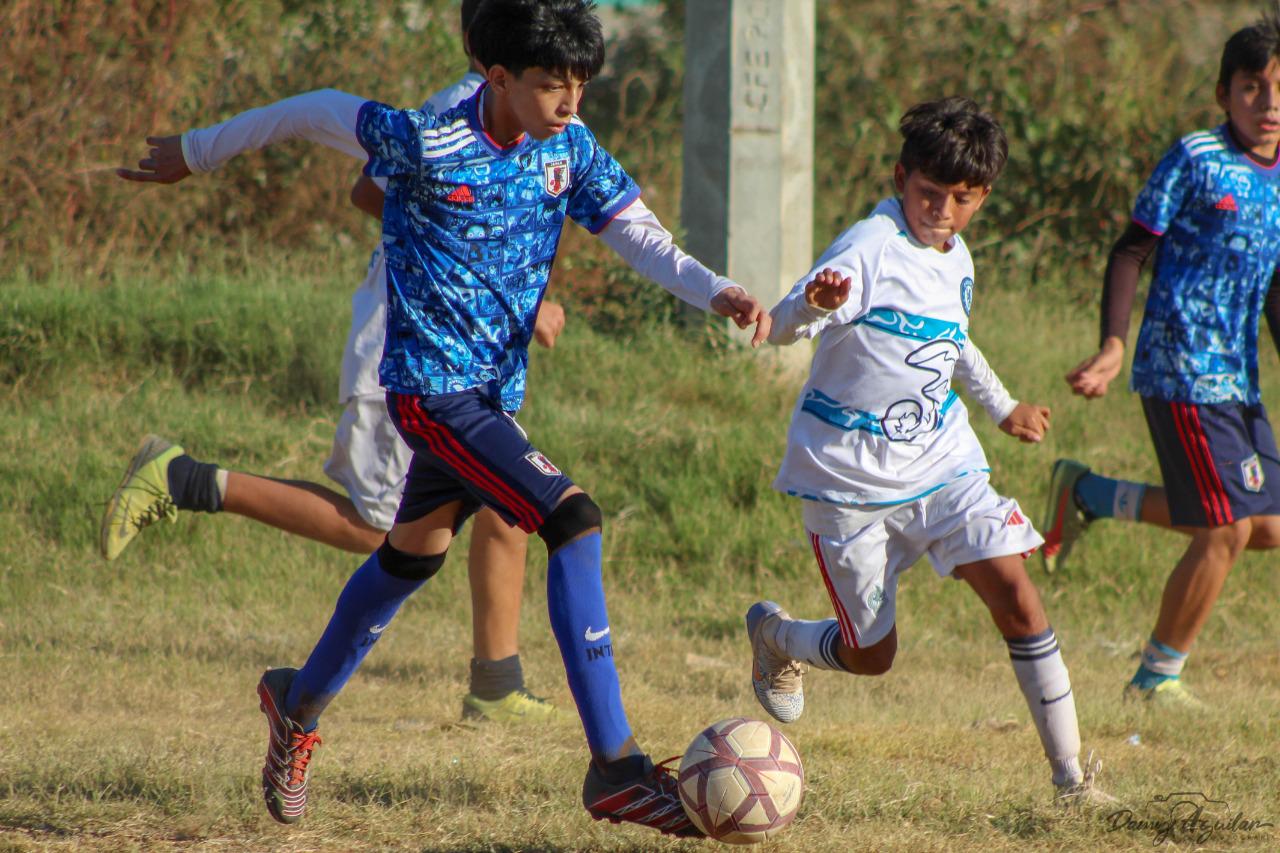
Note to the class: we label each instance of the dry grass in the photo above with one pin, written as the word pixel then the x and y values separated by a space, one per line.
pixel 128 721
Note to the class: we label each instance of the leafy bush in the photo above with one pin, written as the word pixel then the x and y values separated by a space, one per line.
pixel 1090 91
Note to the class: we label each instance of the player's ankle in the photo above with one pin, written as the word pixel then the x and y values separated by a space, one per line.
pixel 1146 679
pixel 495 679
pixel 196 486
pixel 1066 771
pixel 625 767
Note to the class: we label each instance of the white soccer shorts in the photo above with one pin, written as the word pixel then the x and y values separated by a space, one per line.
pixel 861 552
pixel 369 459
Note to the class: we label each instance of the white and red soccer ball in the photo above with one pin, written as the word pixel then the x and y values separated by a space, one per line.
pixel 741 781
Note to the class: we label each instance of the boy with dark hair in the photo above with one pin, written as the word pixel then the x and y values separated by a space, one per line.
pixel 880 449
pixel 476 197
pixel 369 460
pixel 1211 213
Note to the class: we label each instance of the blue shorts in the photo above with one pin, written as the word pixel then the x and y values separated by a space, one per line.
pixel 465 448
pixel 1219 461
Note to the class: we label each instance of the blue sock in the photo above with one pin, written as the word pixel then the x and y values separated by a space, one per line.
pixel 1160 663
pixel 365 608
pixel 1103 497
pixel 580 621
pixel 1146 679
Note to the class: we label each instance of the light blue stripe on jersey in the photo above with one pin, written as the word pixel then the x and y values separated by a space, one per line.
pixel 959 476
pixel 911 325
pixel 826 409
pixel 830 411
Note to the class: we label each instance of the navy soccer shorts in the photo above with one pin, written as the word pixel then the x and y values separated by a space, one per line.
pixel 1219 461
pixel 465 448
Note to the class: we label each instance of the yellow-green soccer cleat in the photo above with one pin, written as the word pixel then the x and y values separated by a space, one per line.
pixel 1063 521
pixel 1171 694
pixel 142 498
pixel 518 706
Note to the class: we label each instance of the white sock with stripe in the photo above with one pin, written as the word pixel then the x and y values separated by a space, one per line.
pixel 814 643
pixel 1046 685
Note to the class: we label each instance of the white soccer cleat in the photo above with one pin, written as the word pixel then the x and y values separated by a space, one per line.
pixel 1084 794
pixel 777 680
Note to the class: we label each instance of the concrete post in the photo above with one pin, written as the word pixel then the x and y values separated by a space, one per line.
pixel 748 141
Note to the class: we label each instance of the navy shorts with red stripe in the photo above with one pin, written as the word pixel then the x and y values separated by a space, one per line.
pixel 1219 461
pixel 466 448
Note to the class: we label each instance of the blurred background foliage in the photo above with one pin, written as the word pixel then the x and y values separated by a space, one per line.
pixel 1090 91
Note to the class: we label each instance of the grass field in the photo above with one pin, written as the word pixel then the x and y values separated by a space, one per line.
pixel 127 714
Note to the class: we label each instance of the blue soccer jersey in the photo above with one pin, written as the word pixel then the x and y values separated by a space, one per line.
pixel 1218 214
pixel 470 231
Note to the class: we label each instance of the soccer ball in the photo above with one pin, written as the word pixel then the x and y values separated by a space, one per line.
pixel 741 781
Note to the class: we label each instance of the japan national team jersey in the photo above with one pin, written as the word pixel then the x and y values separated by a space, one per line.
pixel 363 353
pixel 877 422
pixel 470 232
pixel 1218 214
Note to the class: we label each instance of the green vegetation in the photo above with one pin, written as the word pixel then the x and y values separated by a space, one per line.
pixel 215 314
pixel 129 720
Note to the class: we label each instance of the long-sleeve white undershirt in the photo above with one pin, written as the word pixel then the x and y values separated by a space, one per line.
pixel 648 248
pixel 328 117
pixel 980 382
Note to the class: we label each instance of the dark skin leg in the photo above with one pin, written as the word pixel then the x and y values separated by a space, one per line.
pixel 1002 584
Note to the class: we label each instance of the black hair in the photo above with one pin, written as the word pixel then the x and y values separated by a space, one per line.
pixel 1250 49
pixel 469 9
pixel 562 36
pixel 953 141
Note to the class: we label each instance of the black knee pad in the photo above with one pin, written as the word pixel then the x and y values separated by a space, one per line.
pixel 408 567
pixel 575 516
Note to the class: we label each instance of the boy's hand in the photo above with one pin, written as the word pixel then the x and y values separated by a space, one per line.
pixel 827 291
pixel 1027 423
pixel 743 309
pixel 549 324
pixel 1091 377
pixel 165 165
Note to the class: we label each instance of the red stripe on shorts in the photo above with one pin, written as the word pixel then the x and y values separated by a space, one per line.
pixel 1193 444
pixel 1215 484
pixel 1193 459
pixel 446 446
pixel 847 632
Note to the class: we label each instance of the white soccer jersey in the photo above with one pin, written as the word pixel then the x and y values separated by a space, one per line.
pixel 877 422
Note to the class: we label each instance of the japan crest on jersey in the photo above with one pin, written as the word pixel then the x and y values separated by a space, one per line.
pixel 555 175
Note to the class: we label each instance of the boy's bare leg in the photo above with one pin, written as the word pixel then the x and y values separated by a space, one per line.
pixel 305 509
pixel 875 659
pixel 1016 609
pixel 1003 585
pixel 1264 531
pixel 495 567
pixel 1196 581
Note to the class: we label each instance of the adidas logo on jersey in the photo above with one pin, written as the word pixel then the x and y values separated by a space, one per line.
pixel 1227 202
pixel 1015 518
pixel 461 195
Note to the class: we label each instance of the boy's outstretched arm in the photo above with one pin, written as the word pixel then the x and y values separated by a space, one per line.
pixel 810 306
pixel 1091 377
pixel 1024 421
pixel 163 165
pixel 326 116
pixel 648 248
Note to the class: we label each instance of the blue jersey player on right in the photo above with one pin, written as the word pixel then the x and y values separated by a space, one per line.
pixel 475 200
pixel 1211 212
